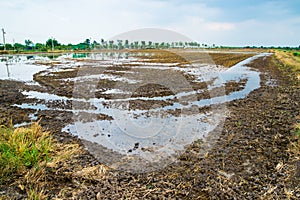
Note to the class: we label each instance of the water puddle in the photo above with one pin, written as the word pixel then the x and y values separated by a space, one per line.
pixel 19 68
pixel 102 76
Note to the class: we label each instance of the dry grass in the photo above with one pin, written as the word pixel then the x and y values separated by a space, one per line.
pixel 28 155
pixel 290 59
pixel 22 149
pixel 35 180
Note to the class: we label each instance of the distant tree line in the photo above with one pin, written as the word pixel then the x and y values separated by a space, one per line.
pixel 52 45
pixel 126 44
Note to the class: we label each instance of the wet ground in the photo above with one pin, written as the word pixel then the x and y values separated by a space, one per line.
pixel 182 129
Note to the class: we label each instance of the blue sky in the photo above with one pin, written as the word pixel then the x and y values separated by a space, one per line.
pixel 221 22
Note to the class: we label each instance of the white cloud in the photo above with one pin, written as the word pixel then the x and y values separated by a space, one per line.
pixel 220 26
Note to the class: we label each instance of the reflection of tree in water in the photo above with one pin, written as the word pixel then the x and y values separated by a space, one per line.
pixel 79 55
pixel 29 57
pixel 53 56
pixel 7 69
pixel 7 60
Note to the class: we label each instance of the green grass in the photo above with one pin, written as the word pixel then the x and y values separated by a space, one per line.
pixel 22 149
pixel 32 194
pixel 28 155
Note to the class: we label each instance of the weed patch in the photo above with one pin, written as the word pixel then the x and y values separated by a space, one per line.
pixel 22 148
pixel 28 155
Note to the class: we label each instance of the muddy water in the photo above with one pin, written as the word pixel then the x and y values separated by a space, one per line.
pixel 147 135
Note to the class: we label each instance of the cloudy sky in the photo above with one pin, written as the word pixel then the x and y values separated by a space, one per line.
pixel 221 22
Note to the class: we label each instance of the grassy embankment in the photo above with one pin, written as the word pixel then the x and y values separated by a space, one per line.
pixel 25 156
pixel 291 60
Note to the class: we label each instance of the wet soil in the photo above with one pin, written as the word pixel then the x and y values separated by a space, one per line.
pixel 10 93
pixel 250 159
pixel 187 57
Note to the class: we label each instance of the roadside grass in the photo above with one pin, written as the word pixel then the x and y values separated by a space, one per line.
pixel 290 59
pixel 27 154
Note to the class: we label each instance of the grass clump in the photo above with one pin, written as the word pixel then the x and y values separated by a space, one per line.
pixel 22 148
pixel 28 155
pixel 32 194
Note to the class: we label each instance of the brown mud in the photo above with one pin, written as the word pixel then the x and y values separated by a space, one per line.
pixel 249 160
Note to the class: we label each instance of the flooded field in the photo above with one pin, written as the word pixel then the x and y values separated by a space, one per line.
pixel 169 124
pixel 142 107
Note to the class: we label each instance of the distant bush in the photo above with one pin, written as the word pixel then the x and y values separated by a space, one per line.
pixel 296 54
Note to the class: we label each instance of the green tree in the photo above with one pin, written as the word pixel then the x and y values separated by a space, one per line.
pixel 7 46
pixel 87 42
pixel 143 44
pixel 126 44
pixel 136 44
pixel 111 44
pixel 19 47
pixel 95 44
pixel 40 47
pixel 162 45
pixel 180 44
pixel 120 44
pixel 28 43
pixel 132 45
pixel 51 42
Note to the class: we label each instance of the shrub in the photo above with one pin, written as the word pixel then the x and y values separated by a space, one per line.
pixel 296 54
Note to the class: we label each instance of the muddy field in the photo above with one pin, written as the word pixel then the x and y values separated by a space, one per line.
pixel 244 154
